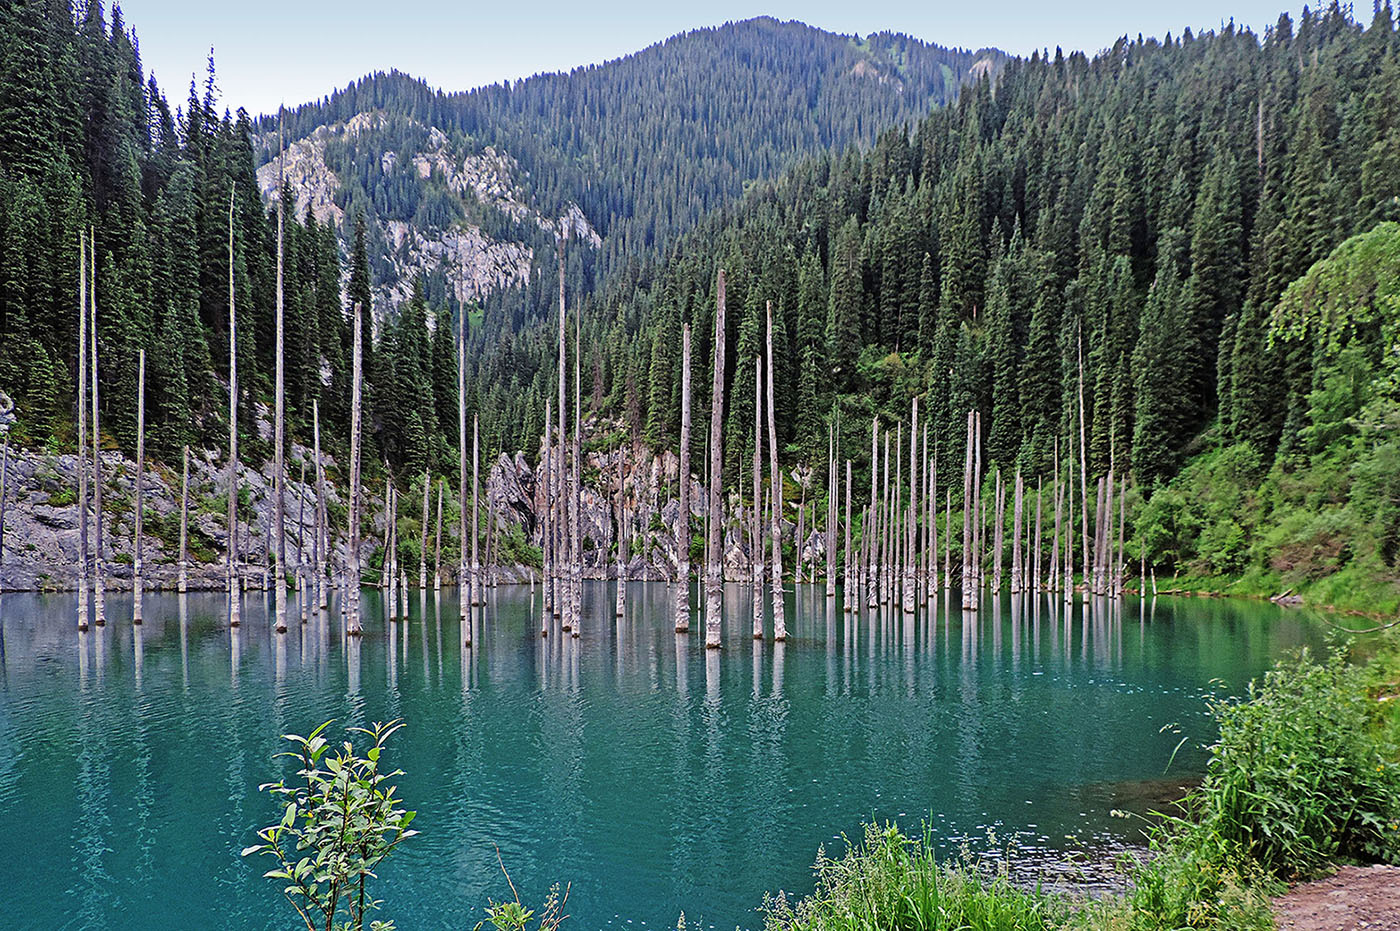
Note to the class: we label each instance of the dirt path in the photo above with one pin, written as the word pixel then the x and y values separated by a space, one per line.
pixel 1356 898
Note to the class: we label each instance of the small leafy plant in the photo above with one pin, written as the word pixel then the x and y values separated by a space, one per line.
pixel 341 819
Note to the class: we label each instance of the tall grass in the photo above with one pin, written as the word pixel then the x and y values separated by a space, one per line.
pixel 1305 774
pixel 890 882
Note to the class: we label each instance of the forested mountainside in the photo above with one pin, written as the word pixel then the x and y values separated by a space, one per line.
pixel 1136 230
pixel 1152 224
pixel 643 146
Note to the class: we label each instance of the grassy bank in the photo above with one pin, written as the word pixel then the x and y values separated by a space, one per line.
pixel 1305 775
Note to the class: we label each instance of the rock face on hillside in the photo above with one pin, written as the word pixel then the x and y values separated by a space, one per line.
pixel 41 517
pixel 482 183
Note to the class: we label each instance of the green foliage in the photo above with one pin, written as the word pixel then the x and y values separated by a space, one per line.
pixel 1306 772
pixel 890 881
pixel 340 821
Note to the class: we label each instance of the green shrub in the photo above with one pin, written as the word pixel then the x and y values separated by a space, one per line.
pixel 890 882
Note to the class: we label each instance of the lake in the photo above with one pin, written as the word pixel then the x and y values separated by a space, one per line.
pixel 651 775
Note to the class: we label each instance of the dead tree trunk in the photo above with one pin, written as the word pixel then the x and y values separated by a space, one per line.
pixel 683 514
pixel 136 562
pixel 1017 553
pixel 320 542
pixel 437 540
pixel 562 555
pixel 547 515
pixel 967 602
pixel 423 536
pixel 978 511
pixel 182 584
pixel 624 544
pixel 779 621
pixel 1083 467
pixel 234 586
pixel 847 577
pixel 83 557
pixel 279 463
pixel 575 487
pixel 476 463
pixel 99 569
pixel 756 536
pixel 464 595
pixel 872 582
pixel 714 581
pixel 352 556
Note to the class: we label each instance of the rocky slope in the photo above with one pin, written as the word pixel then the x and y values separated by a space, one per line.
pixel 41 518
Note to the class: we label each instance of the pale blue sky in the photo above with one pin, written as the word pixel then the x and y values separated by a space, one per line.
pixel 269 52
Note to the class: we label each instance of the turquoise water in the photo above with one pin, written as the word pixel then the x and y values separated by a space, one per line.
pixel 653 776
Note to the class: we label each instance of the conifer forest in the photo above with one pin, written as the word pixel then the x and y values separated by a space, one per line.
pixel 766 337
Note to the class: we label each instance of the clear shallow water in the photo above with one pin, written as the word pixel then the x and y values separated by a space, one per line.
pixel 654 776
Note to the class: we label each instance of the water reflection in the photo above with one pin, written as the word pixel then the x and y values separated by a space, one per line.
pixel 653 774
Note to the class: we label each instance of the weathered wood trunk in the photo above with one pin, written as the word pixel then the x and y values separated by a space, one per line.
pixel 1069 525
pixel 779 619
pixel 1119 567
pixel 624 542
pixel 1054 580
pixel 182 583
pixel 137 614
pixel 437 539
pixel 911 592
pixel 1017 553
pixel 99 568
pixel 464 595
pixel 1083 469
pixel 683 514
pixel 319 540
pixel 998 515
pixel 83 555
pixel 968 513
pixel 562 538
pixel 279 462
pixel 756 536
pixel 872 586
pixel 575 487
pixel 423 536
pixel 979 513
pixel 476 483
pixel 352 556
pixel 547 549
pixel 847 577
pixel 234 586
pixel 302 582
pixel 832 506
pixel 1035 581
pixel 714 581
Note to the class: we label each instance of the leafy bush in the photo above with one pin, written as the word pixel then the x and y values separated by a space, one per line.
pixel 1304 773
pixel 339 823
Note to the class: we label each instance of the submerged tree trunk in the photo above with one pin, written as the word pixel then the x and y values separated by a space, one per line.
pixel 463 575
pixel 99 569
pixel 846 600
pixel 83 557
pixel 683 515
pixel 912 520
pixel 136 562
pixel 437 540
pixel 1017 553
pixel 967 581
pixel 575 490
pixel 756 536
pixel 779 621
pixel 234 588
pixel 547 549
pixel 476 470
pixel 872 586
pixel 714 582
pixel 182 584
pixel 320 538
pixel 279 462
pixel 423 536
pixel 352 557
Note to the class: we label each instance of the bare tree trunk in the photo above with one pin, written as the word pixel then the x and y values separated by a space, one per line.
pixel 948 537
pixel 1083 466
pixel 464 594
pixel 302 585
pixel 1053 582
pixel 83 557
pixel 833 508
pixel 884 530
pixel 352 556
pixel 320 538
pixel 437 540
pixel 978 512
pixel 279 462
pixel 999 514
pixel 968 513
pixel 562 554
pixel 683 514
pixel 1035 584
pixel 575 491
pixel 423 537
pixel 847 578
pixel 475 587
pixel 234 588
pixel 624 543
pixel 136 561
pixel 779 620
pixel 1069 524
pixel 911 585
pixel 1119 569
pixel 547 549
pixel 756 536
pixel 714 581
pixel 99 569
pixel 872 582
pixel 1017 553
pixel 182 585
